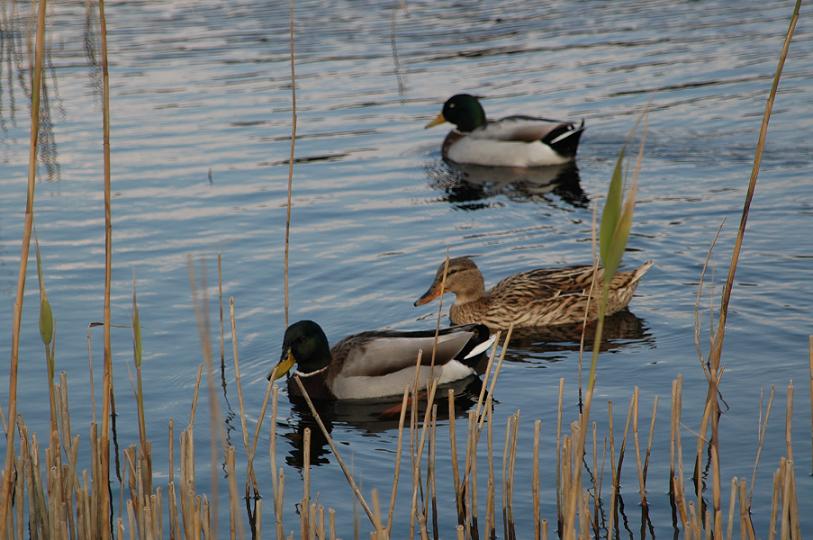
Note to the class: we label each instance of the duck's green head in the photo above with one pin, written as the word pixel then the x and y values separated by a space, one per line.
pixel 462 110
pixel 304 344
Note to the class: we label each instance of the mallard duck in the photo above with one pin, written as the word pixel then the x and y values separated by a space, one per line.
pixel 379 363
pixel 541 297
pixel 514 141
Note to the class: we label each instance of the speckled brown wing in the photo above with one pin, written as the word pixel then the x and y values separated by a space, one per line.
pixel 547 297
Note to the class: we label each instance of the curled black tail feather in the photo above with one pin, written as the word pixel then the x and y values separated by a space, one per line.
pixel 564 139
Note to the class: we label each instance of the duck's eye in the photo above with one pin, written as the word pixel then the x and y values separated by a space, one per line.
pixel 451 105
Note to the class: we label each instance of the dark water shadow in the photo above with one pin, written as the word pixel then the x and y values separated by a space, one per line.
pixel 621 329
pixel 368 417
pixel 468 187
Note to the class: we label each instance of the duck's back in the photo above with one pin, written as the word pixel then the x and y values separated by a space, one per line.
pixel 546 297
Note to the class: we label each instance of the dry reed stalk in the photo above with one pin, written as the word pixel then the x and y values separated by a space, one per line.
pixel 236 359
pixel 596 263
pixel 719 336
pixel 560 405
pixel 810 364
pixel 108 263
pixel 236 525
pixel 512 461
pixel 5 503
pixel 505 451
pixel 490 530
pixel 311 530
pixel 195 394
pixel 638 463
pixel 292 41
pixel 613 494
pixel 777 488
pixel 794 505
pixel 788 418
pixel 674 428
pixel 278 498
pixel 698 297
pixel 698 463
pixel 440 314
pixel 398 451
pixel 763 428
pixel 746 529
pixel 272 455
pixel 473 512
pixel 329 439
pixel 544 529
pixel 381 533
pixel 651 437
pixel 331 520
pixel 716 492
pixel 716 351
pixel 535 482
pixel 487 374
pixel 786 491
pixel 200 299
pixel 306 483
pixel 453 450
pixel 732 499
pixel 432 475
pixel 221 320
pixel 416 479
pixel 490 396
pixel 467 489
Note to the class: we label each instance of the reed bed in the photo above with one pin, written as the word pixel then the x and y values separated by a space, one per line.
pixel 45 493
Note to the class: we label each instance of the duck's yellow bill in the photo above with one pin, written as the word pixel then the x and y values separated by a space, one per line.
pixel 439 119
pixel 283 367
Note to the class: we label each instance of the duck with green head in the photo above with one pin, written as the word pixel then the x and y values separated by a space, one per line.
pixel 513 141
pixel 377 364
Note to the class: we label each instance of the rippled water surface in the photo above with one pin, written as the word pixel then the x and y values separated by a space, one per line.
pixel 201 118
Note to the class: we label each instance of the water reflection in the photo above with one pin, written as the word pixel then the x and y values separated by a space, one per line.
pixel 16 58
pixel 468 186
pixel 367 417
pixel 620 330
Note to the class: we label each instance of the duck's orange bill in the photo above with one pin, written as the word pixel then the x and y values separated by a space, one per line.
pixel 439 119
pixel 428 296
pixel 284 366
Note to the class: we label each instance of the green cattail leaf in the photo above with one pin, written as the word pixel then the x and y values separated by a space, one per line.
pixel 612 208
pixel 39 265
pixel 46 321
pixel 619 242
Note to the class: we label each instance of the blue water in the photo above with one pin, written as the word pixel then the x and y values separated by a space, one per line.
pixel 201 117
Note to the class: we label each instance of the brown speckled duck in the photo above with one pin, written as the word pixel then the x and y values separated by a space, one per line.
pixel 541 297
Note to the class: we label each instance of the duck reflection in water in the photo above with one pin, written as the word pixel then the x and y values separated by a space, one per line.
pixel 621 329
pixel 468 186
pixel 368 417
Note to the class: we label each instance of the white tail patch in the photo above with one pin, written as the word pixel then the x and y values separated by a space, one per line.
pixel 564 136
pixel 482 347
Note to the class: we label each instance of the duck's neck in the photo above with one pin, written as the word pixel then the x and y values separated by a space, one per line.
pixel 475 119
pixel 468 312
pixel 470 289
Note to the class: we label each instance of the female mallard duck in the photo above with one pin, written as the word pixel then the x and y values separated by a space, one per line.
pixel 514 141
pixel 540 297
pixel 379 363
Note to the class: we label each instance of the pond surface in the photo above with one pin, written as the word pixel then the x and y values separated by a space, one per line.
pixel 201 118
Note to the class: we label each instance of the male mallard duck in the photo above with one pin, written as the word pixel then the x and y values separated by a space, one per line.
pixel 379 363
pixel 514 141
pixel 540 297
